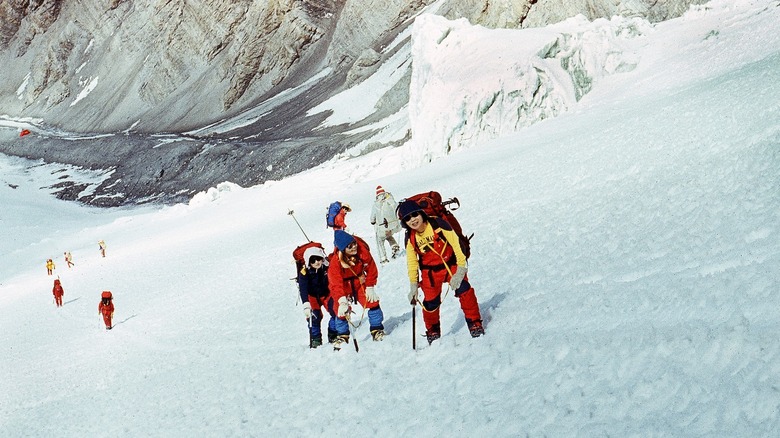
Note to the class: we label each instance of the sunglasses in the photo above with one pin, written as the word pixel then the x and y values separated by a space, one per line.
pixel 352 245
pixel 411 216
pixel 314 260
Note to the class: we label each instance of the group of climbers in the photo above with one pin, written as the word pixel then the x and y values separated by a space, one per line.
pixel 347 277
pixel 106 304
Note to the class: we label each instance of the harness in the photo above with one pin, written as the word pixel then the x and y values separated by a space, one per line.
pixel 438 236
pixel 352 297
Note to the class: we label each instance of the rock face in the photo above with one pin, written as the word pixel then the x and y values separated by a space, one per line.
pixel 135 69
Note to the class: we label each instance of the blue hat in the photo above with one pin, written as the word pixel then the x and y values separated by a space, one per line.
pixel 406 207
pixel 342 239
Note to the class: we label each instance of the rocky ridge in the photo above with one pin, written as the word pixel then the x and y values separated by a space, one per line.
pixel 136 86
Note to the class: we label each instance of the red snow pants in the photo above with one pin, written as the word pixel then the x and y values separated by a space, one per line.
pixel 431 284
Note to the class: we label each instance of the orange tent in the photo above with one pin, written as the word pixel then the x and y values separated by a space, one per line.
pixel 24 132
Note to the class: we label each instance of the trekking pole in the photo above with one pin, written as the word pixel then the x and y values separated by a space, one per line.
pixel 292 213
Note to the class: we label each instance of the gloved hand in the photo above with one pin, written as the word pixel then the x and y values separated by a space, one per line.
pixel 371 295
pixel 307 310
pixel 343 307
pixel 412 293
pixel 457 277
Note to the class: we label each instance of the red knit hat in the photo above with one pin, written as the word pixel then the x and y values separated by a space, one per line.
pixel 379 190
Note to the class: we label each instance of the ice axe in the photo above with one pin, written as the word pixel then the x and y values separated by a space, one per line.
pixel 352 332
pixel 414 325
pixel 453 200
pixel 292 214
pixel 309 320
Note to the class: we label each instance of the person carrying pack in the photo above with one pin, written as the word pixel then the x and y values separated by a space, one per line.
pixel 106 308
pixel 58 292
pixel 312 280
pixel 433 205
pixel 336 216
pixel 434 255
pixel 385 223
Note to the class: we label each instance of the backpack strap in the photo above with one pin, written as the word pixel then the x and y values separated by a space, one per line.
pixel 438 225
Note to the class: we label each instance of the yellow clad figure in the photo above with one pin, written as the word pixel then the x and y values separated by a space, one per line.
pixel 50 266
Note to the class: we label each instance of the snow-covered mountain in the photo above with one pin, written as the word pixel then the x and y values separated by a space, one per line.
pixel 173 97
pixel 626 258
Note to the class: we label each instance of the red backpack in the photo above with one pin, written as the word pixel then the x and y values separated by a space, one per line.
pixel 433 205
pixel 297 254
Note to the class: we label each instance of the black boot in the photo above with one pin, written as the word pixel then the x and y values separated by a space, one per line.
pixel 433 333
pixel 475 328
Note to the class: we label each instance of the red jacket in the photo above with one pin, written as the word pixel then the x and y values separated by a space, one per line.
pixel 339 220
pixel 57 291
pixel 342 274
pixel 106 309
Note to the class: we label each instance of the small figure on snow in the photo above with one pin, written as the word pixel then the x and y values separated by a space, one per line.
pixel 58 292
pixel 106 308
pixel 315 294
pixel 68 258
pixel 50 266
pixel 102 247
pixel 337 215
pixel 434 249
pixel 352 276
pixel 385 222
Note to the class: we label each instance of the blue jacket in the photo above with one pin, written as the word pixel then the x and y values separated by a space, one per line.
pixel 314 283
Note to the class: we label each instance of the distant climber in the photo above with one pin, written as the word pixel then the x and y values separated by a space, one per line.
pixel 58 292
pixel 106 308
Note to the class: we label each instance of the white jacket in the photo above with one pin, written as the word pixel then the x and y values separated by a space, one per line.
pixel 383 215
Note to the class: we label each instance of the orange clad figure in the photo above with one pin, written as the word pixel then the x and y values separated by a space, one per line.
pixel 58 292
pixel 106 308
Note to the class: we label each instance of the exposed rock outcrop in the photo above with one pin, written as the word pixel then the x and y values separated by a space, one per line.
pixel 145 67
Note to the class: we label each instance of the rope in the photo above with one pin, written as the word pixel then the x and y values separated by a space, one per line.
pixel 364 307
pixel 444 262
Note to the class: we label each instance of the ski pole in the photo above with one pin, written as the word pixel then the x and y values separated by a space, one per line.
pixel 292 213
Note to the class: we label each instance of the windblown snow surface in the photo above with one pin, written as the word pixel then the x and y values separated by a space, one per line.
pixel 626 258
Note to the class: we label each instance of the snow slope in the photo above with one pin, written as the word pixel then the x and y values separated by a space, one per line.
pixel 626 259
